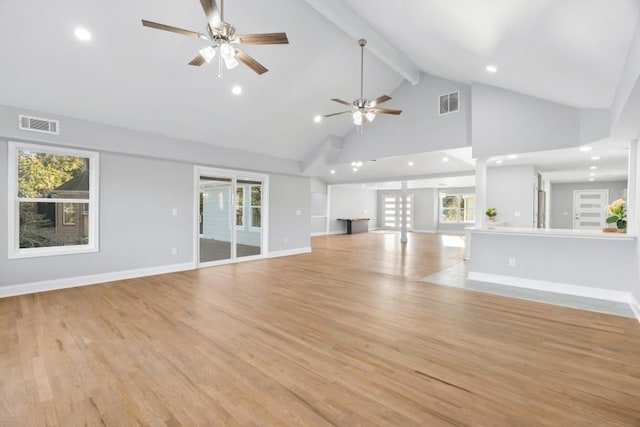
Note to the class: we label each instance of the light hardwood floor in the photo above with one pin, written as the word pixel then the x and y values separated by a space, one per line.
pixel 343 336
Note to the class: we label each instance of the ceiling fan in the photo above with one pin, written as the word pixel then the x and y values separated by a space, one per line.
pixel 363 109
pixel 222 36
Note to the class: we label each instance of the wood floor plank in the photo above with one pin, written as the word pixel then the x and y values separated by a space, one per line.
pixel 346 335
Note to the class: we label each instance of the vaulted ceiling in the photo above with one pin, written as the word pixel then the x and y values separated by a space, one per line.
pixel 569 51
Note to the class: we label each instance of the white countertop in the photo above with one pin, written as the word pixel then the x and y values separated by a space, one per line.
pixel 552 232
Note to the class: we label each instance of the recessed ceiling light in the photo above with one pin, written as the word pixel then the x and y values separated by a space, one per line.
pixel 585 149
pixel 410 163
pixel 355 169
pixel 499 162
pixel 593 168
pixel 82 34
pixel 592 179
pixel 332 171
pixel 512 156
pixel 445 159
pixel 595 158
pixel 317 119
pixel 491 68
pixel 592 174
pixel 236 90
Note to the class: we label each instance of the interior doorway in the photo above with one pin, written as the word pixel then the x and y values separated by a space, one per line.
pixel 231 212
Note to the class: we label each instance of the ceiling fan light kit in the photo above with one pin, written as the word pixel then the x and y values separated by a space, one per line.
pixel 222 36
pixel 364 110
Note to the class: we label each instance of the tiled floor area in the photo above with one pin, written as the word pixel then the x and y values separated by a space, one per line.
pixel 456 276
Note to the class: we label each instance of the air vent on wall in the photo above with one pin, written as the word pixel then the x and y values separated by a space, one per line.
pixel 449 103
pixel 38 124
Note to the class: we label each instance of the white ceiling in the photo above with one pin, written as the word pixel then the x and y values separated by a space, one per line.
pixel 570 51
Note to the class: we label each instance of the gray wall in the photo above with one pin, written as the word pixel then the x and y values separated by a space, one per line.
pixel 510 190
pixel 137 195
pixel 289 213
pixel 425 209
pixel 137 229
pixel 561 203
pixel 574 261
pixel 419 128
pixel 349 202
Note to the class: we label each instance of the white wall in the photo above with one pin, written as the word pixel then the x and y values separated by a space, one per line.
pixel 349 202
pixel 419 128
pixel 561 205
pixel 511 190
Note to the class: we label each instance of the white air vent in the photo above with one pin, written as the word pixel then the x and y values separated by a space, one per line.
pixel 38 124
pixel 449 103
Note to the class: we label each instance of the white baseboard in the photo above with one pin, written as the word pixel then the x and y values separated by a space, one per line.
pixel 635 307
pixel 331 233
pixel 319 233
pixel 289 252
pixel 72 282
pixel 424 231
pixel 558 288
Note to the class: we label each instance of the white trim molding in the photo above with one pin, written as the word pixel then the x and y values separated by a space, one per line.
pixel 635 307
pixel 558 288
pixel 94 279
pixel 289 252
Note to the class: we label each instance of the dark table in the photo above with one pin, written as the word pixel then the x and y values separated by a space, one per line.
pixel 356 225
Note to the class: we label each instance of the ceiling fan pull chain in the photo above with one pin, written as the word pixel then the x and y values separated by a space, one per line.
pixel 220 67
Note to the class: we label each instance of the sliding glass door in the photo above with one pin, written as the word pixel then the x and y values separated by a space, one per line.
pixel 215 233
pixel 231 213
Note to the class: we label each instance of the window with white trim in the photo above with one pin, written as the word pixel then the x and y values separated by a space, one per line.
pixel 456 208
pixel 53 200
pixel 248 206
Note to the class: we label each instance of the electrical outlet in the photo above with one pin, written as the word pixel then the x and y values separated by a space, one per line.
pixel 517 214
pixel 174 212
pixel 298 212
pixel 512 262
pixel 174 251
pixel 286 240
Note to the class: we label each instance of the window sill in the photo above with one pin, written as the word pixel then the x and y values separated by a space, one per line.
pixel 54 251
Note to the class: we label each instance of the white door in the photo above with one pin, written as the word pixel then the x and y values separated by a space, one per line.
pixel 588 209
pixel 392 212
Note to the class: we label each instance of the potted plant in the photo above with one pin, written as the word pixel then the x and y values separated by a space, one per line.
pixel 491 214
pixel 617 212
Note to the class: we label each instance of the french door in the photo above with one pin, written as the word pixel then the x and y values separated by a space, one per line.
pixel 231 216
pixel 588 209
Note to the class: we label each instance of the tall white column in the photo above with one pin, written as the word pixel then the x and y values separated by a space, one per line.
pixel 481 192
pixel 633 197
pixel 403 213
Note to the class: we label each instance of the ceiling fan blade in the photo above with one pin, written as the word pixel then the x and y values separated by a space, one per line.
pixel 250 62
pixel 264 38
pixel 385 111
pixel 198 61
pixel 174 30
pixel 340 101
pixel 212 11
pixel 337 114
pixel 378 101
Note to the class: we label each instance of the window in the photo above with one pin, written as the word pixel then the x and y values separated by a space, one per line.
pixel 240 207
pixel 457 208
pixel 248 205
pixel 256 206
pixel 53 200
